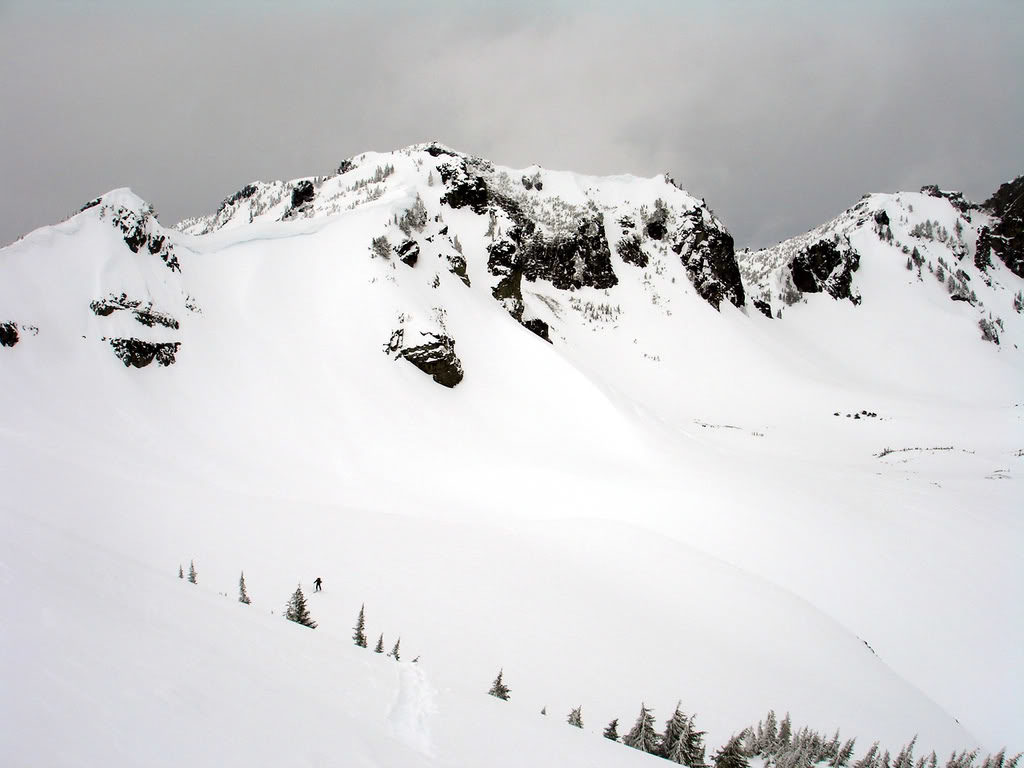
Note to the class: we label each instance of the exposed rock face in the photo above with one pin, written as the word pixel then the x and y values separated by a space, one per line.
pixel 465 187
pixel 136 227
pixel 708 254
pixel 144 314
pixel 434 355
pixel 955 198
pixel 8 334
pixel 408 252
pixel 437 150
pixel 571 261
pixel 762 306
pixel 539 327
pixel 1008 234
pixel 824 266
pixel 302 195
pixel 139 353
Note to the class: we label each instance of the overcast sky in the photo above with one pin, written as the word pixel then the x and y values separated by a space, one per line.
pixel 780 114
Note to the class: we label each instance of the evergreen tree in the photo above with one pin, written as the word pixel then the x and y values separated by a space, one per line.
pixel 842 759
pixel 295 609
pixel 642 735
pixel 243 596
pixel 576 717
pixel 360 636
pixel 731 755
pixel 544 709
pixel 785 731
pixel 499 689
pixel 612 731
pixel 905 758
pixel 674 728
pixel 394 651
pixel 869 759
pixel 770 742
pixel 181 573
pixel 380 644
pixel 192 575
pixel 689 747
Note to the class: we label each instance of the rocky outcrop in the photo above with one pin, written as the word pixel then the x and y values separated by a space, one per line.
pixel 1007 239
pixel 465 187
pixel 302 195
pixel 136 228
pixel 146 315
pixel 571 260
pixel 708 254
pixel 408 252
pixel 956 199
pixel 433 353
pixel 827 265
pixel 8 334
pixel 138 353
pixel 763 306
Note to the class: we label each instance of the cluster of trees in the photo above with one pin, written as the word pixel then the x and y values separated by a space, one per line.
pixel 297 610
pixel 777 743
pixel 680 742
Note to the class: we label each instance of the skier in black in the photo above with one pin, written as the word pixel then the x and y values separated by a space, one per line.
pixel 316 584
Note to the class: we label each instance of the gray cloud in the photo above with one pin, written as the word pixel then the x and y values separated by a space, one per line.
pixel 779 115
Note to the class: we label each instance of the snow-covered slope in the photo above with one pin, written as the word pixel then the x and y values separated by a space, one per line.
pixel 533 421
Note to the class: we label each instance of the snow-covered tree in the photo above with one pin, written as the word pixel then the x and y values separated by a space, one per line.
pixel 869 760
pixel 498 688
pixel 192 575
pixel 181 573
pixel 394 651
pixel 243 596
pixel 576 717
pixel 674 728
pixel 785 731
pixel 379 648
pixel 731 755
pixel 295 609
pixel 544 709
pixel 360 635
pixel 642 735
pixel 612 730
pixel 842 758
pixel 689 748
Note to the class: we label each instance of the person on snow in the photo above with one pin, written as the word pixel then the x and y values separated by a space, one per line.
pixel 316 584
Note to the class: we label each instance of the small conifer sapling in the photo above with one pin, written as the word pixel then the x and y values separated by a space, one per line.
pixel 499 689
pixel 192 575
pixel 612 730
pixel 394 651
pixel 360 634
pixel 576 717
pixel 243 596
pixel 380 644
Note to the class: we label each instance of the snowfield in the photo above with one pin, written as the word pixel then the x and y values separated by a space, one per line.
pixel 659 505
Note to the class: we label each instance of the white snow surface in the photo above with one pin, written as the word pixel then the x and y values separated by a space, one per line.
pixel 657 506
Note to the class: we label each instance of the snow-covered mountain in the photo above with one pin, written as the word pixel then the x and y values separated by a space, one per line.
pixel 536 421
